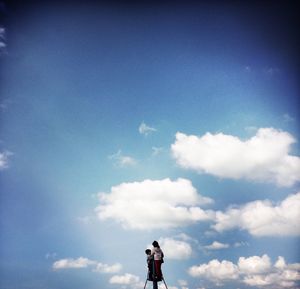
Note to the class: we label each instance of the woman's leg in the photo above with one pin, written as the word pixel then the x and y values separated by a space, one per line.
pixel 158 269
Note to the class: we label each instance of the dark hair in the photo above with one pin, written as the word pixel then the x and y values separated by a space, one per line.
pixel 155 244
pixel 148 251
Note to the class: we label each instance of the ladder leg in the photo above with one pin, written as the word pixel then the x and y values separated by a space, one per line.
pixel 164 282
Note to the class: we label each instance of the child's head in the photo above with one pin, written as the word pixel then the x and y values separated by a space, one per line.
pixel 148 252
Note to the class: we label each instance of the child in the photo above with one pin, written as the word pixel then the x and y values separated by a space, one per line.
pixel 150 264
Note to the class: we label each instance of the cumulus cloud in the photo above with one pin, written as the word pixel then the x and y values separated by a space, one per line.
pixel 125 279
pixel 154 204
pixel 121 160
pixel 145 129
pixel 216 246
pixel 175 249
pixel 73 263
pixel 254 264
pixel 262 218
pixel 264 157
pixel 82 262
pixel 216 271
pixel 254 271
pixel 104 268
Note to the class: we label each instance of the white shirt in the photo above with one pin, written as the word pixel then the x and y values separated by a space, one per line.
pixel 157 252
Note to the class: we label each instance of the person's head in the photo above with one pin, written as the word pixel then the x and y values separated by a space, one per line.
pixel 148 252
pixel 155 244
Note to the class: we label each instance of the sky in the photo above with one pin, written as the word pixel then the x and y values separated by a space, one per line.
pixel 125 122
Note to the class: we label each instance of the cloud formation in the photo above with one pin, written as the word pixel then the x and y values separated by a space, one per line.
pixel 154 204
pixel 121 160
pixel 175 249
pixel 4 158
pixel 262 218
pixel 2 40
pixel 264 157
pixel 145 129
pixel 82 262
pixel 70 263
pixel 127 280
pixel 216 246
pixel 254 271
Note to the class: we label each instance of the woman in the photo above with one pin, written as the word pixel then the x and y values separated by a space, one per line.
pixel 158 260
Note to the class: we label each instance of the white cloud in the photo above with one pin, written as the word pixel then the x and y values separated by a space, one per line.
pixel 175 249
pixel 254 264
pixel 253 271
pixel 145 129
pixel 121 160
pixel 264 157
pixel 162 286
pixel 182 282
pixel 262 218
pixel 104 268
pixel 73 263
pixel 153 204
pixel 216 246
pixel 84 263
pixel 216 271
pixel 126 279
pixel 239 244
pixel 4 158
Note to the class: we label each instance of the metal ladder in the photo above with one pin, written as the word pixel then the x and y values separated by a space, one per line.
pixel 155 283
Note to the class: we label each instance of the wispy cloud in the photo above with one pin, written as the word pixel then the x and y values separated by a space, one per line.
pixel 2 40
pixel 121 160
pixel 287 118
pixel 73 263
pixel 145 129
pixel 156 151
pixel 217 246
pixel 51 255
pixel 105 268
pixel 82 262
pixel 271 71
pixel 4 159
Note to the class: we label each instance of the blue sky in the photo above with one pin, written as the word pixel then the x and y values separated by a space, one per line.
pixel 124 123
